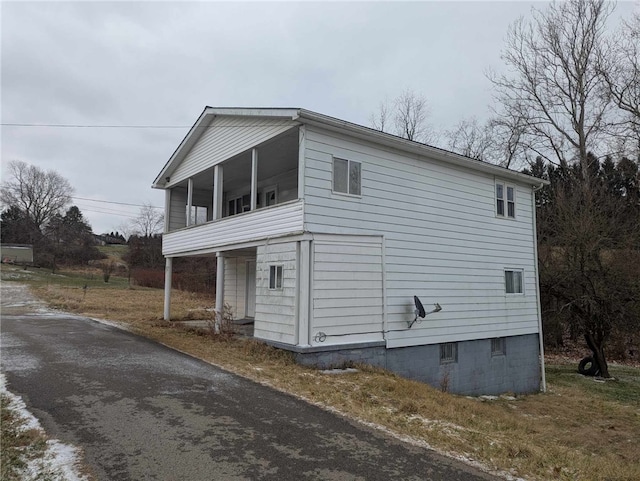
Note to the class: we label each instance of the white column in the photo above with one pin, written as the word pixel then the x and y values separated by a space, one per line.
pixel 305 289
pixel 168 269
pixel 254 179
pixel 217 192
pixel 189 201
pixel 219 290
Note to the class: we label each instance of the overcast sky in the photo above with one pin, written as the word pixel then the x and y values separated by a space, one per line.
pixel 161 63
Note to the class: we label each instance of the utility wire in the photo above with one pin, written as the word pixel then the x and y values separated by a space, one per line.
pixel 88 126
pixel 114 202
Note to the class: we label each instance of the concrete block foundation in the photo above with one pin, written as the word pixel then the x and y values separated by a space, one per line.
pixel 476 371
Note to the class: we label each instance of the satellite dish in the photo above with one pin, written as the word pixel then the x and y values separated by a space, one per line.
pixel 419 312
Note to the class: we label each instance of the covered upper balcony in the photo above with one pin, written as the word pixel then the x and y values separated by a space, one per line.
pixel 250 196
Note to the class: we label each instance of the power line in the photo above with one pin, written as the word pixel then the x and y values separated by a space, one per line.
pixel 114 202
pixel 88 126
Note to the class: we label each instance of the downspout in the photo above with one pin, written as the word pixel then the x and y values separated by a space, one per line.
pixel 538 305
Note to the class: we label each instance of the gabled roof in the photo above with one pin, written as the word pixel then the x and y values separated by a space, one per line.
pixel 359 131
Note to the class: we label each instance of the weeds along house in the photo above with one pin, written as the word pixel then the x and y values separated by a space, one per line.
pixel 325 231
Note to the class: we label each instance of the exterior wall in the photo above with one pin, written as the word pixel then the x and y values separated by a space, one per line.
pixel 224 138
pixel 235 285
pixel 178 209
pixel 347 294
pixel 443 241
pixel 476 372
pixel 276 309
pixel 249 226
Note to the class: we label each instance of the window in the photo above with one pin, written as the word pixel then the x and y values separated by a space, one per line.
pixel 347 176
pixel 275 277
pixel 513 281
pixel 498 346
pixel 448 352
pixel 270 198
pixel 240 205
pixel 505 198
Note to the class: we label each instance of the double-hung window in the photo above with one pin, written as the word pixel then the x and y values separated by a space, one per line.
pixel 513 281
pixel 505 200
pixel 347 176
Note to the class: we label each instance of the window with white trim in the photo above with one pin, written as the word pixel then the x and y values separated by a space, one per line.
pixel 498 346
pixel 275 277
pixel 448 352
pixel 513 281
pixel 505 200
pixel 347 176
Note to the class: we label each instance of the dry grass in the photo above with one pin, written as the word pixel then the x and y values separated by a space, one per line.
pixel 579 430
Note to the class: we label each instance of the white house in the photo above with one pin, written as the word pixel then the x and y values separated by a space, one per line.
pixel 325 231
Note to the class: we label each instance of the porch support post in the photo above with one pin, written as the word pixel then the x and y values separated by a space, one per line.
pixel 168 269
pixel 254 179
pixel 304 273
pixel 219 290
pixel 189 201
pixel 217 192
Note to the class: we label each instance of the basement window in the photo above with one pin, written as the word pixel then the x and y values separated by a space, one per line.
pixel 448 352
pixel 275 277
pixel 498 346
pixel 347 176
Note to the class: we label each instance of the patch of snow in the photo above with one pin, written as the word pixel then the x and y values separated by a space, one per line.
pixel 59 460
pixel 339 371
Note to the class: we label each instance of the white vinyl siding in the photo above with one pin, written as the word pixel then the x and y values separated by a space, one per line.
pixel 276 308
pixel 443 241
pixel 347 290
pixel 250 226
pixel 224 138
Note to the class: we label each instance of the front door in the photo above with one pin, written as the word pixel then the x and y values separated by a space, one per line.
pixel 251 289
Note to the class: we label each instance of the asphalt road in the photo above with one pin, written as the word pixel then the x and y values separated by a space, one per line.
pixel 141 411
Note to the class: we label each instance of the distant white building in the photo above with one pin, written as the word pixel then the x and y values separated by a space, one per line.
pixel 16 253
pixel 326 230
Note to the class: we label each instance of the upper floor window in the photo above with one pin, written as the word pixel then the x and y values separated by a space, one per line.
pixel 505 200
pixel 513 281
pixel 346 176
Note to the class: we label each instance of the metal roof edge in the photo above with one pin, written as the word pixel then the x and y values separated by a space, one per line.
pixel 390 140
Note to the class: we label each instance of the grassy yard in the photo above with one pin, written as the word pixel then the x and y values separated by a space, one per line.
pixel 581 429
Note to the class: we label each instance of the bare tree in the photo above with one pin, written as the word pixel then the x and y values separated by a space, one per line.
pixel 495 141
pixel 149 221
pixel 556 92
pixel 620 70
pixel 407 116
pixel 39 194
pixel 472 139
pixel 380 120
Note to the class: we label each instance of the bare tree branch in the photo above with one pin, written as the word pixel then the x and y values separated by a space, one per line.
pixel 39 194
pixel 556 93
